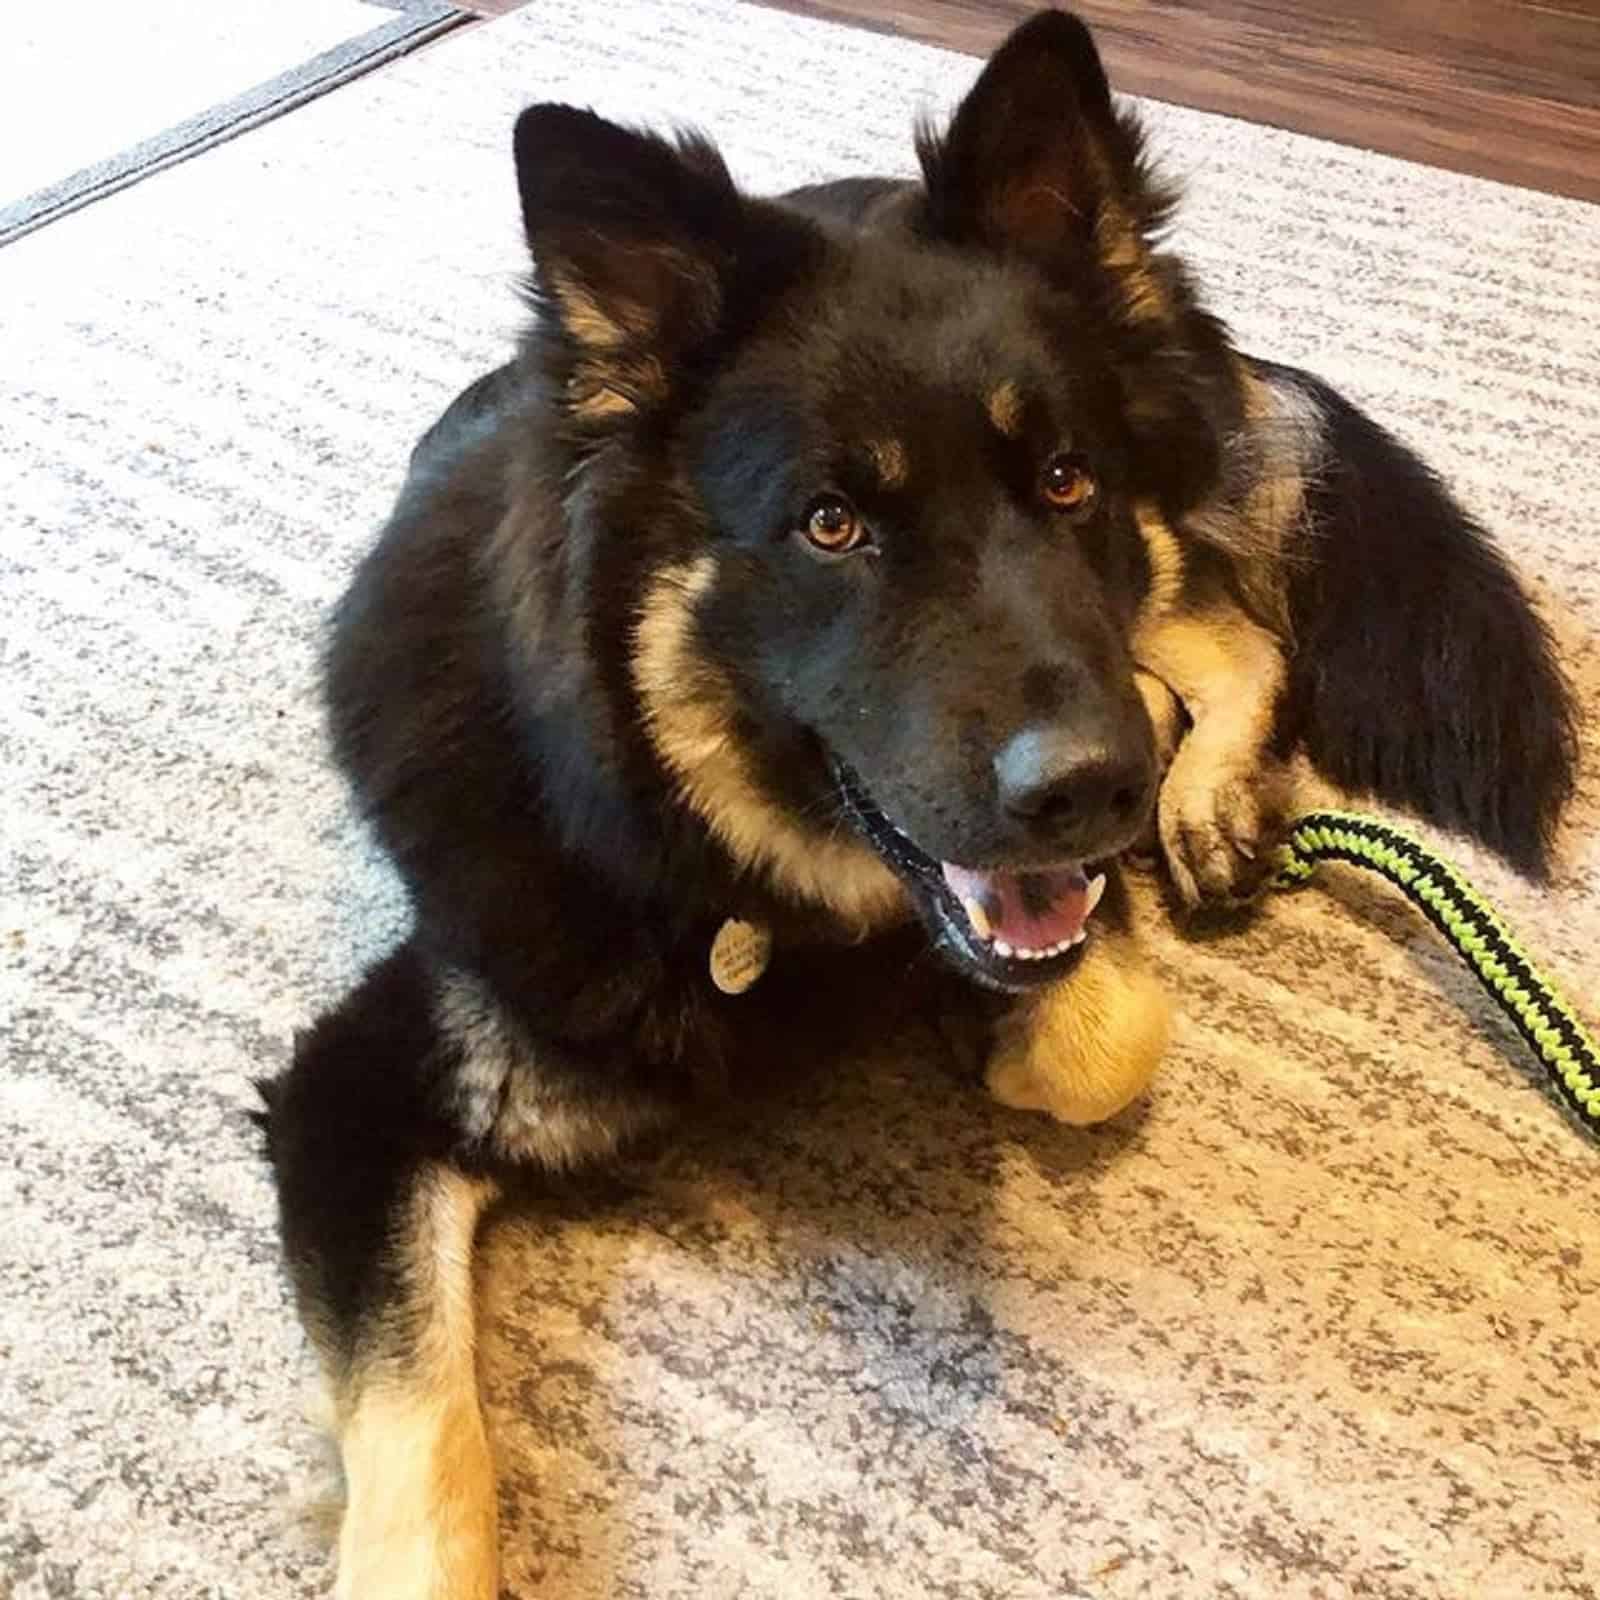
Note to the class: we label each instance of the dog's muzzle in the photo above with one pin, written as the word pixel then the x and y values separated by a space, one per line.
pixel 1009 930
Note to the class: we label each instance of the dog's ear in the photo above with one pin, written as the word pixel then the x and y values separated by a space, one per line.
pixel 1039 161
pixel 644 253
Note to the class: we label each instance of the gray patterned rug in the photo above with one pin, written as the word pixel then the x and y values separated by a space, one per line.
pixel 1323 1319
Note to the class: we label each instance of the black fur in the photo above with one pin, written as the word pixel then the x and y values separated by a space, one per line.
pixel 701 365
pixel 1420 675
pixel 607 545
pixel 1005 179
pixel 360 1110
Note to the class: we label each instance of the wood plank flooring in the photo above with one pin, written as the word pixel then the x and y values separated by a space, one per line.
pixel 1507 89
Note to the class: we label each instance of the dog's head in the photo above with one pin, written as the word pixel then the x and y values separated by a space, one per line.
pixel 873 493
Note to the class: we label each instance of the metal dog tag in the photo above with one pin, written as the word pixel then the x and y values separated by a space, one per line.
pixel 739 955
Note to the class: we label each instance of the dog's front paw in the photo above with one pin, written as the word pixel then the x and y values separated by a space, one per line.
pixel 1086 1047
pixel 1220 820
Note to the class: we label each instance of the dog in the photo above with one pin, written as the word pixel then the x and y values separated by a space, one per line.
pixel 858 572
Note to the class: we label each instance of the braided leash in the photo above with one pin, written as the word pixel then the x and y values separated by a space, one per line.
pixel 1563 1045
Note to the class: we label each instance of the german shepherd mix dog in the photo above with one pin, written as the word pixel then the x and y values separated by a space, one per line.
pixel 826 576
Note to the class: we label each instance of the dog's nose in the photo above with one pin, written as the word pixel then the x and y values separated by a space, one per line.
pixel 1072 788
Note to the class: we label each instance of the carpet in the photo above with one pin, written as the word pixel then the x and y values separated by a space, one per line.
pixel 1321 1319
pixel 98 93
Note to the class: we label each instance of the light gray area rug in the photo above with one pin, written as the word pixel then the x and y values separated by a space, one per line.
pixel 96 94
pixel 1322 1320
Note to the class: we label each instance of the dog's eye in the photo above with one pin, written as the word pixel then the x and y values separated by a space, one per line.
pixel 1067 484
pixel 833 525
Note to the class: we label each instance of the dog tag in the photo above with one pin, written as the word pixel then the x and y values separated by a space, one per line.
pixel 739 955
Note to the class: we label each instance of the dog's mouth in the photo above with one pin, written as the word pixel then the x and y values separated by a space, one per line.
pixel 1010 930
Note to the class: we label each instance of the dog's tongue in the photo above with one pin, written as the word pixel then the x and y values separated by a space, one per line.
pixel 1026 910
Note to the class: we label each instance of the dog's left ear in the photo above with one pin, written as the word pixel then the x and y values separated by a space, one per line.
pixel 644 252
pixel 1038 161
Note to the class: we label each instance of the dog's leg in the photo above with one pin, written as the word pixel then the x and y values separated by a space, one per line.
pixel 419 1516
pixel 1087 1046
pixel 1169 722
pixel 378 1221
pixel 1168 719
pixel 1224 793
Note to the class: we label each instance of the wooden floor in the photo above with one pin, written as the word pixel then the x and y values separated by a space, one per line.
pixel 1508 89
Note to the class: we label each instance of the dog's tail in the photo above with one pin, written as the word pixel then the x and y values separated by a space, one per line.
pixel 1422 676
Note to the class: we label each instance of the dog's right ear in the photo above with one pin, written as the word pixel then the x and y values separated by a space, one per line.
pixel 644 254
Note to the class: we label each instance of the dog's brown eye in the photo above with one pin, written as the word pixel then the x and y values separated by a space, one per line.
pixel 831 524
pixel 1067 483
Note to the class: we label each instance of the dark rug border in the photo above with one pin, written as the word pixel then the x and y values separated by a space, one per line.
pixel 422 21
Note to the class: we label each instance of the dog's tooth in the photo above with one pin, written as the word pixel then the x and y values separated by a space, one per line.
pixel 1097 887
pixel 1078 937
pixel 978 917
pixel 1001 948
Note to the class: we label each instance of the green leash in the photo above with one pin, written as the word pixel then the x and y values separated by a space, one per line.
pixel 1563 1045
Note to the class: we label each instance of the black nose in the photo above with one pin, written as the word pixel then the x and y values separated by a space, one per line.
pixel 1075 790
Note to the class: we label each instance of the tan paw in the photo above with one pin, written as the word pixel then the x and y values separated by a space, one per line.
pixel 1219 821
pixel 1086 1047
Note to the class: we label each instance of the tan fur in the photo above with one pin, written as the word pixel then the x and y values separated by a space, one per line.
pixel 689 711
pixel 889 457
pixel 1087 1046
pixel 1165 712
pixel 1005 409
pixel 616 373
pixel 593 326
pixel 1223 666
pixel 419 1521
pixel 615 386
pixel 1124 252
pixel 595 400
pixel 1226 662
pixel 1222 785
pixel 1165 556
